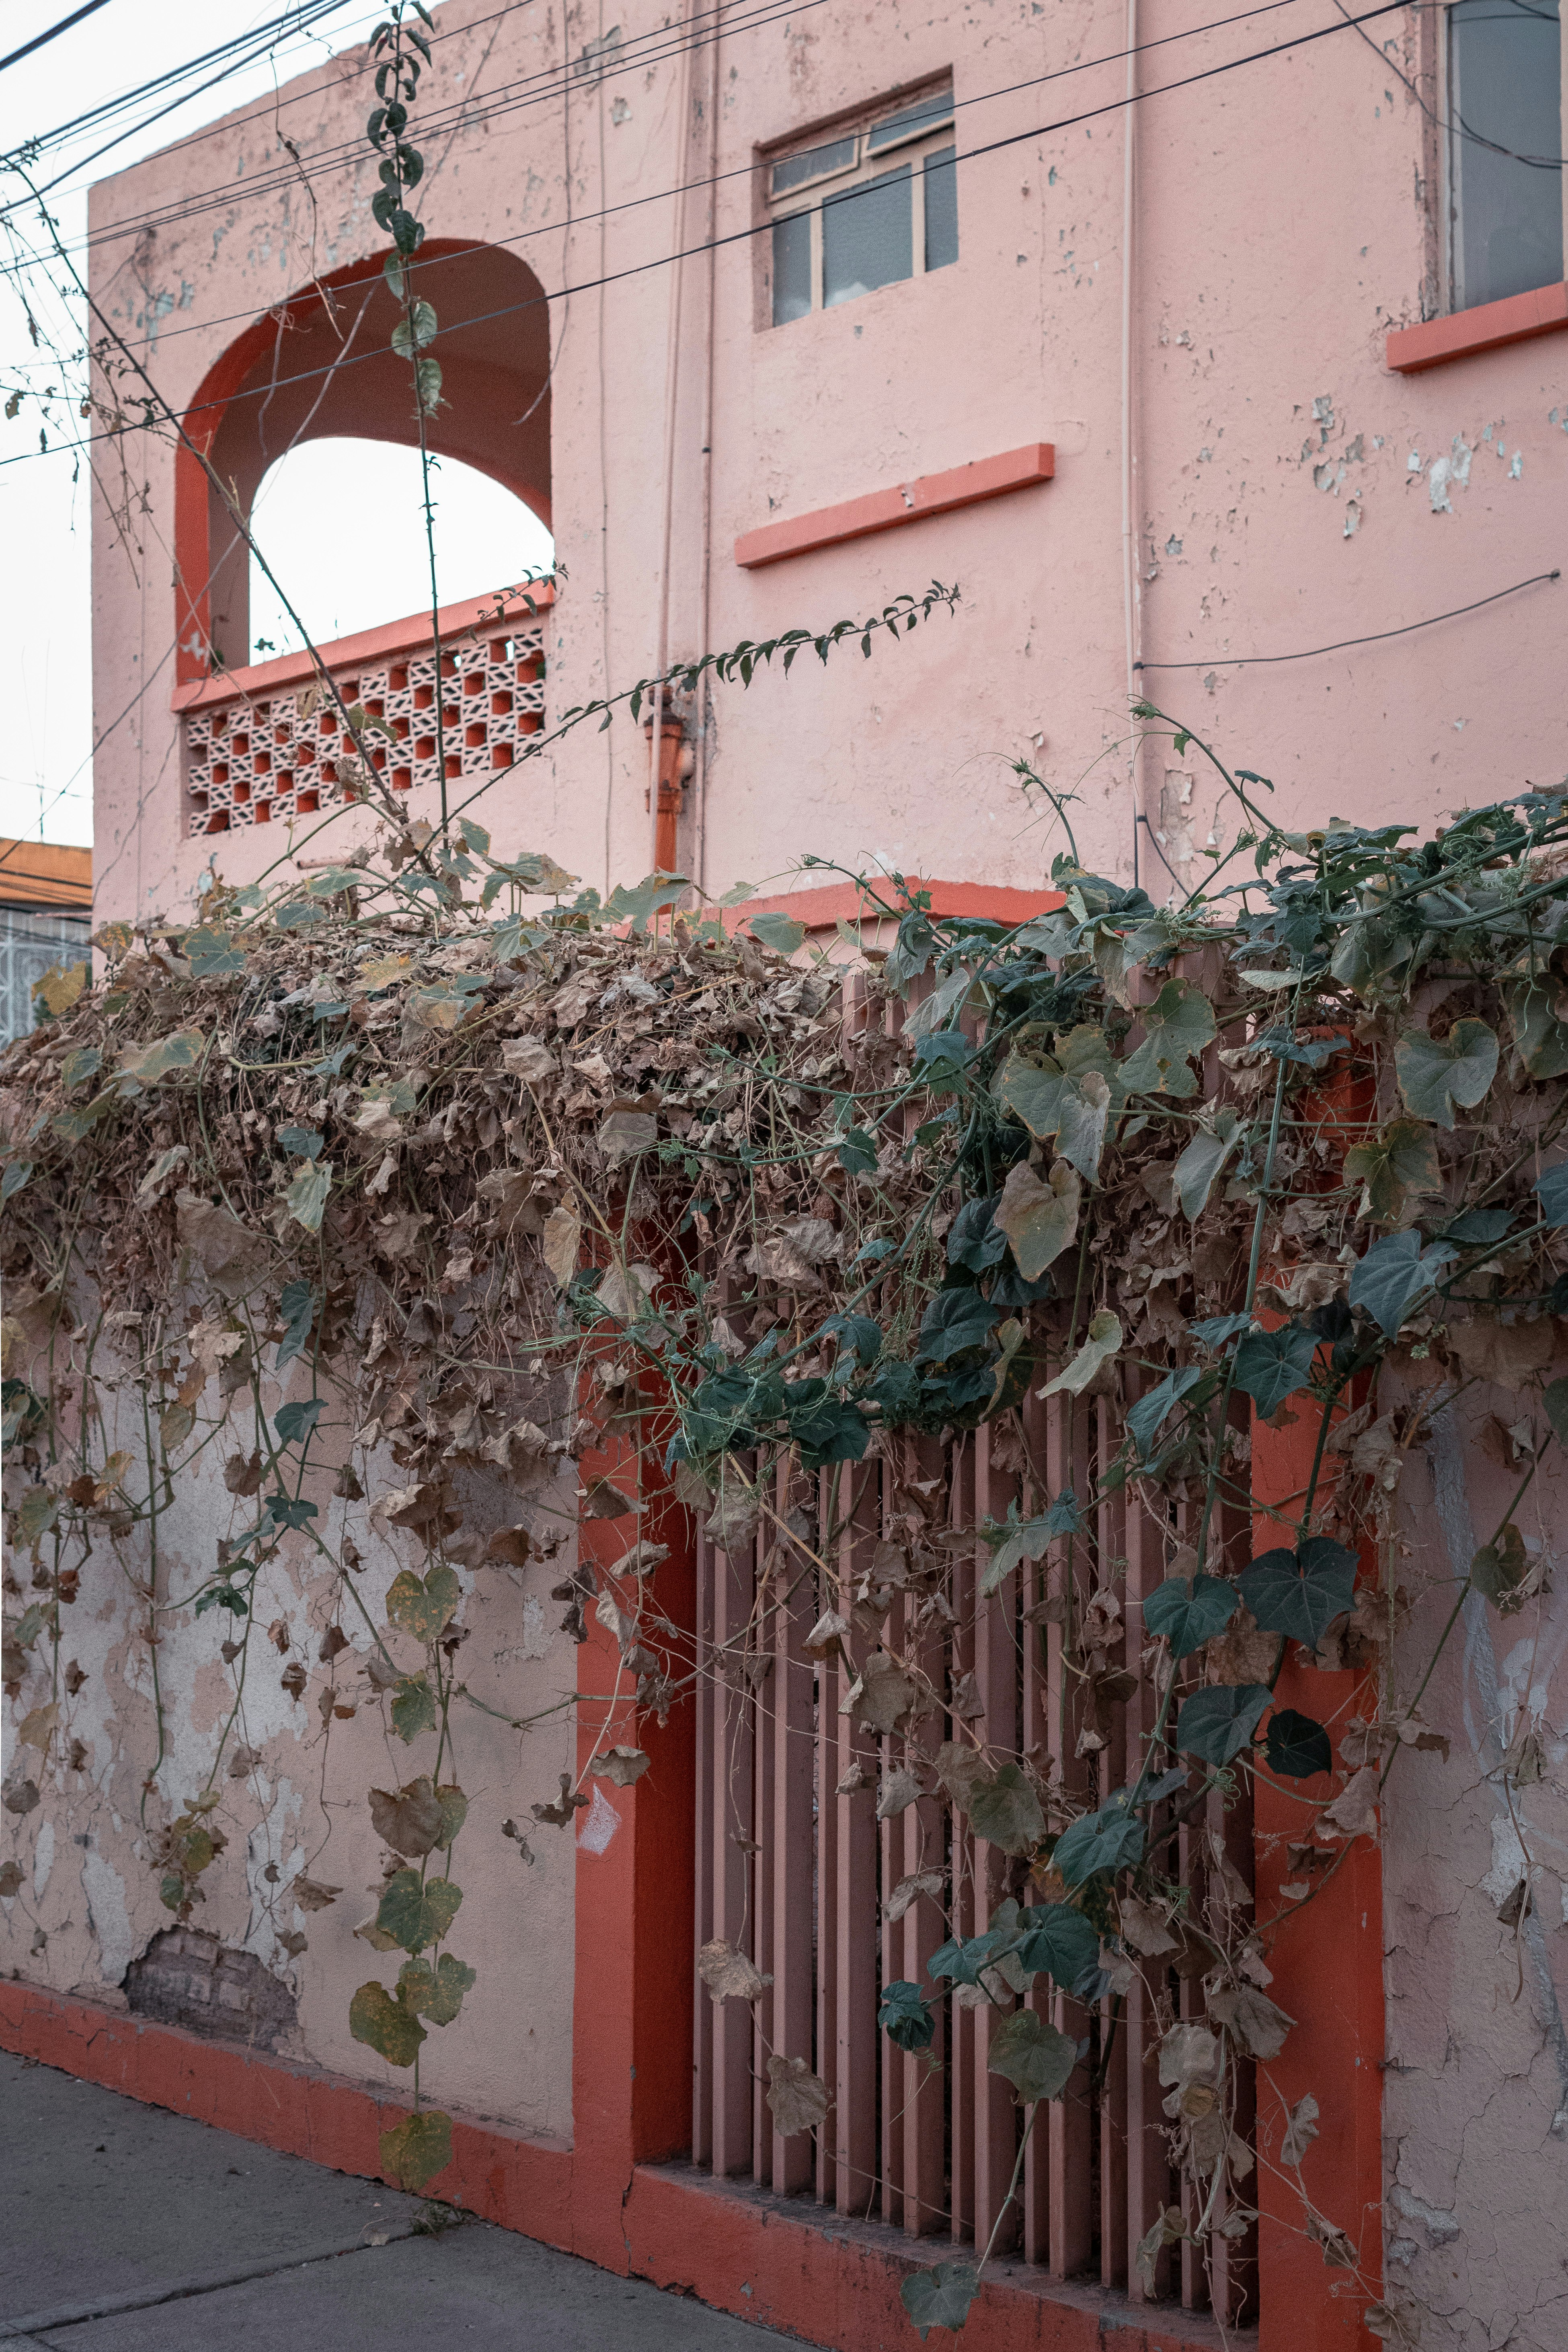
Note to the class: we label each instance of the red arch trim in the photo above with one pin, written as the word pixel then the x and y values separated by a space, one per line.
pixel 203 417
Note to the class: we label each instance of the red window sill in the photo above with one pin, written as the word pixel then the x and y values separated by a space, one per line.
pixel 930 494
pixel 1516 320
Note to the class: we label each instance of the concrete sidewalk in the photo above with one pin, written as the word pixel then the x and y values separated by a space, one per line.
pixel 126 2228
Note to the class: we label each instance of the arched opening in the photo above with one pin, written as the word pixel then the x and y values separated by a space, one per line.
pixel 321 367
pixel 342 524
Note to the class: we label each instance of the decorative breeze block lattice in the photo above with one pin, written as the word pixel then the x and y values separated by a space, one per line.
pixel 259 760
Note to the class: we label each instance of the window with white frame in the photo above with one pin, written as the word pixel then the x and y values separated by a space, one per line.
pixel 865 207
pixel 1503 67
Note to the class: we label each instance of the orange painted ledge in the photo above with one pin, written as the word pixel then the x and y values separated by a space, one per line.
pixel 822 2278
pixel 787 2264
pixel 1516 320
pixel 298 2109
pixel 929 494
pixel 831 902
pixel 473 617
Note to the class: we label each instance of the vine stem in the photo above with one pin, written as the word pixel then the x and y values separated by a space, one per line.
pixel 1255 1260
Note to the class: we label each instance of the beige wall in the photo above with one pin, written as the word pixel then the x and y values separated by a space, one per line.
pixel 92 1905
pixel 1476 2084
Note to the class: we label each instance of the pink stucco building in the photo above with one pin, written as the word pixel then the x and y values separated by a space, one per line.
pixel 1220 363
pixel 713 295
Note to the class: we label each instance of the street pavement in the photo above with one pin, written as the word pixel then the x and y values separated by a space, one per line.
pixel 126 2229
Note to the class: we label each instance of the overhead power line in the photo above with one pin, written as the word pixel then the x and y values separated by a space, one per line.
pixel 134 224
pixel 735 236
pixel 255 44
pixel 665 42
pixel 42 41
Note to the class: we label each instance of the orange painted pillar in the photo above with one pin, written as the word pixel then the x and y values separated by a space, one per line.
pixel 1328 1975
pixel 635 1863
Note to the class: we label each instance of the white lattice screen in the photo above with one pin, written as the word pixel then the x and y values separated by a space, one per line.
pixel 255 760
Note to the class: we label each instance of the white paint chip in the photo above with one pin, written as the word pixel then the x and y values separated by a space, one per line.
pixel 602 1823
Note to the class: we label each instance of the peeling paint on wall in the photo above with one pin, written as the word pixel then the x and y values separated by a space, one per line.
pixel 1443 472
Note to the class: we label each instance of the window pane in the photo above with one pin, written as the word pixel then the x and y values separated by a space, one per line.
pixel 796 170
pixel 941 208
pixel 866 237
pixel 910 122
pixel 1503 59
pixel 791 267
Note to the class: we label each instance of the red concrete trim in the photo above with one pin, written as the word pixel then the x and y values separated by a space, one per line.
pixel 1515 320
pixel 636 1895
pixel 782 2262
pixel 193 496
pixel 473 617
pixel 930 494
pixel 298 2109
pixel 821 907
pixel 788 2264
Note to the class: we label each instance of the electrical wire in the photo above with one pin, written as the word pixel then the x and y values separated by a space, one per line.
pixel 735 236
pixel 1380 636
pixel 274 176
pixel 327 160
pixel 630 57
pixel 259 47
pixel 42 41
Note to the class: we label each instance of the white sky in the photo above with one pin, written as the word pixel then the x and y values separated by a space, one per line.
pixel 312 509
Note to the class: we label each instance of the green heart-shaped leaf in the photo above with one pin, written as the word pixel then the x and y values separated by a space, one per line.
pixel 416 2149
pixel 1189 1613
pixel 1301 1593
pixel 1295 1746
pixel 1439 1077
pixel 385 2024
pixel 1217 1724
pixel 1032 2056
pixel 940 2298
pixel 414 1915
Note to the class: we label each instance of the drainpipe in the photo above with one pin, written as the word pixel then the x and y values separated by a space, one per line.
pixel 670 762
pixel 700 714
pixel 664 838
pixel 1130 594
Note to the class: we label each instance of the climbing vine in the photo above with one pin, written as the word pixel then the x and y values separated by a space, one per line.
pixel 439 1153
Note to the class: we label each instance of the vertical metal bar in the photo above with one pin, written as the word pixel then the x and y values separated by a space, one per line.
pixel 924 1929
pixel 961 1907
pixel 1068 2123
pixel 856 2110
pixel 786 1695
pixel 1116 1768
pixel 1148 2165
pixel 731 1832
pixel 828 1747
pixel 763 1670
pixel 894 2062
pixel 1035 2187
pixel 995 2112
pixel 705 1709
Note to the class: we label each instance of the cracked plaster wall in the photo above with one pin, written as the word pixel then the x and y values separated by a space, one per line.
pixel 90 1900
pixel 1475 2082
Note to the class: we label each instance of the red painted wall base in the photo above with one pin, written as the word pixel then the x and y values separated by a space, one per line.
pixel 831 2281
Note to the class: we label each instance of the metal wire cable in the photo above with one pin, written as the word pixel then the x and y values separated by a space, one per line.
pixel 1379 636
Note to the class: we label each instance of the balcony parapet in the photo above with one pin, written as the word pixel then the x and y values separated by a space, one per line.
pixel 264 744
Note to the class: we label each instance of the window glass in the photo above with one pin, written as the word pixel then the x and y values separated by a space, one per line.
pixel 913 123
pixel 797 169
pixel 1505 87
pixel 867 238
pixel 941 208
pixel 791 267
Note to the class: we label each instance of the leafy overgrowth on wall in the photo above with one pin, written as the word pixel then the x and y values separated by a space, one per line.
pixel 427 1151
